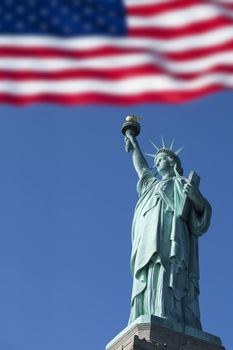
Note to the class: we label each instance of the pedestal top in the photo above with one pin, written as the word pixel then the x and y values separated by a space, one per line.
pixel 145 325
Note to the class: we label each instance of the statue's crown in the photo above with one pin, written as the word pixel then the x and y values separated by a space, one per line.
pixel 165 149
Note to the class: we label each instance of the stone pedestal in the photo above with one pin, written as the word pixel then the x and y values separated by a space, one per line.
pixel 155 333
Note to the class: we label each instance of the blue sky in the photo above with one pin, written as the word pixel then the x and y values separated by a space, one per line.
pixel 67 195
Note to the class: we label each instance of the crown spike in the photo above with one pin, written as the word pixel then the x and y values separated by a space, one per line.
pixel 163 143
pixel 179 150
pixel 150 155
pixel 172 144
pixel 153 144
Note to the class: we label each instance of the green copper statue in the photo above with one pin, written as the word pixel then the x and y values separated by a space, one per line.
pixel 164 260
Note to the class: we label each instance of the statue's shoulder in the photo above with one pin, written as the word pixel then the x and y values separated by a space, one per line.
pixel 147 173
pixel 147 180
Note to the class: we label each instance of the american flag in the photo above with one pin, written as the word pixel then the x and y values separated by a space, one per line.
pixel 114 51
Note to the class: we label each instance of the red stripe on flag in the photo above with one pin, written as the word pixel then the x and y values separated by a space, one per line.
pixel 200 53
pixel 161 8
pixel 104 75
pixel 184 55
pixel 156 9
pixel 43 52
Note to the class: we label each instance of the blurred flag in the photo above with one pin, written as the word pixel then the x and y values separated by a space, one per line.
pixel 114 51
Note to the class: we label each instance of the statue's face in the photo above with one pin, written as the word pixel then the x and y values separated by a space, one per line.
pixel 164 163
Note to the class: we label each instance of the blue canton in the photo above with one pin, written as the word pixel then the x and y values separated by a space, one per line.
pixel 63 18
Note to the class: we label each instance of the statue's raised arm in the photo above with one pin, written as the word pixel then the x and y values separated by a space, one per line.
pixel 131 128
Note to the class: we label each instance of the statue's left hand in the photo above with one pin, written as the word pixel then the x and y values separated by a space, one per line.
pixel 194 195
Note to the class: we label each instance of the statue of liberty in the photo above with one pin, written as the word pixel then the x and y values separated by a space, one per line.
pixel 164 260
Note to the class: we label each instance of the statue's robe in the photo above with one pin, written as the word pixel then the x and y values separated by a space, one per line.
pixel 164 260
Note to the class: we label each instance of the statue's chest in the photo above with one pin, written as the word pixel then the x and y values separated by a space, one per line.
pixel 165 188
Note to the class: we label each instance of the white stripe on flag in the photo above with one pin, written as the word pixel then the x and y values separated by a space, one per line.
pixel 179 18
pixel 123 87
pixel 114 63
